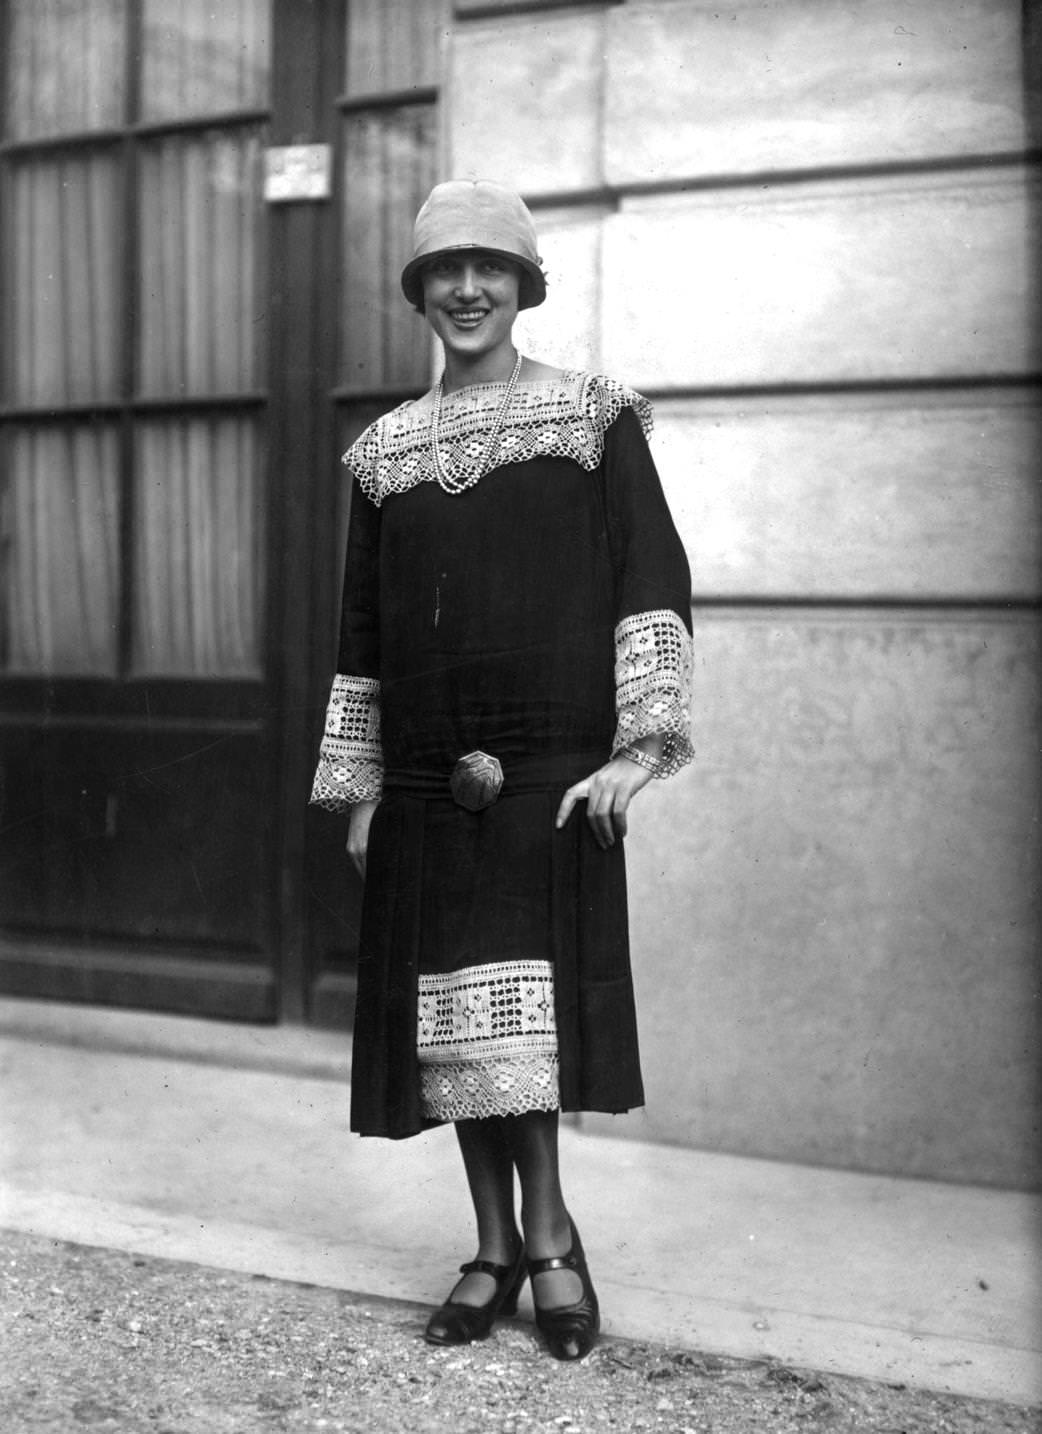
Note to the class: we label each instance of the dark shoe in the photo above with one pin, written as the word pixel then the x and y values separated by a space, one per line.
pixel 570 1329
pixel 454 1323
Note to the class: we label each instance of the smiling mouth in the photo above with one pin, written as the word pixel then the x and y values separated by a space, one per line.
pixel 467 317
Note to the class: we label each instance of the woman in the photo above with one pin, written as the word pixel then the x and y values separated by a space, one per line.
pixel 514 667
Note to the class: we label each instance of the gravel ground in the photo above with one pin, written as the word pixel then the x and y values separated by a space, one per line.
pixel 101 1340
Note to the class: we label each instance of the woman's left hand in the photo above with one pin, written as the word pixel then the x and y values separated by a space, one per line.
pixel 608 793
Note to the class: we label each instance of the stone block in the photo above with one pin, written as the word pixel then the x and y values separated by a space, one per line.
pixel 565 330
pixel 924 494
pixel 887 278
pixel 695 90
pixel 523 101
pixel 834 911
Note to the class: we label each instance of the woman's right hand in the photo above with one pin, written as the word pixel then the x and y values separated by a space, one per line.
pixel 358 834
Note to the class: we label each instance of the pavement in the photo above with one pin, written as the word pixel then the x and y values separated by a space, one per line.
pixel 227 1146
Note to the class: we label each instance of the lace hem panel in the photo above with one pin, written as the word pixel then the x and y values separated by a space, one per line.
pixel 499 1010
pixel 350 766
pixel 472 1090
pixel 654 661
pixel 564 417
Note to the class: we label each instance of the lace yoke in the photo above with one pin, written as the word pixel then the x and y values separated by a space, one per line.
pixel 563 417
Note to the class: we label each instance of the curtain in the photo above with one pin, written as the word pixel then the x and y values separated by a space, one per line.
pixel 201 236
pixel 389 168
pixel 388 172
pixel 59 550
pixel 198 494
pixel 198 548
pixel 202 57
pixel 190 580
pixel 59 490
pixel 66 66
pixel 62 311
pixel 393 44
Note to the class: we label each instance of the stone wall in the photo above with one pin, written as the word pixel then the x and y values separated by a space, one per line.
pixel 804 227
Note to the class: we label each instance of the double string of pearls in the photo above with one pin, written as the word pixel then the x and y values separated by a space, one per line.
pixel 445 480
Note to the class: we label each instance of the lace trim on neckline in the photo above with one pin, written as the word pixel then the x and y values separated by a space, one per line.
pixel 565 417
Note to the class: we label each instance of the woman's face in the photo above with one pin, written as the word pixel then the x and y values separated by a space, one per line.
pixel 470 301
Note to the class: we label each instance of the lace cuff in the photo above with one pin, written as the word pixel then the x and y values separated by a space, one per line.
pixel 350 764
pixel 653 668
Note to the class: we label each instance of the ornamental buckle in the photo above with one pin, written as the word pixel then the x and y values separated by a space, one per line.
pixel 476 781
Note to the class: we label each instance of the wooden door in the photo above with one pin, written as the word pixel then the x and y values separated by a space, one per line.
pixel 138 677
pixel 181 361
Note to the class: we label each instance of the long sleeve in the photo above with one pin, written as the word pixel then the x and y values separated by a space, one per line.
pixel 653 647
pixel 350 766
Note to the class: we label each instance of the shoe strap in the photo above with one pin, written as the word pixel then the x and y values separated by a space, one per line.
pixel 485 1267
pixel 555 1262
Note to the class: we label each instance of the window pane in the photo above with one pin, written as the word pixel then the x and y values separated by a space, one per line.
pixel 202 228
pixel 389 170
pixel 59 551
pixel 198 548
pixel 203 58
pixel 65 66
pixel 60 234
pixel 394 44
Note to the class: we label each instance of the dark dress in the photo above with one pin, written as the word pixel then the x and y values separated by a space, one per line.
pixel 542 616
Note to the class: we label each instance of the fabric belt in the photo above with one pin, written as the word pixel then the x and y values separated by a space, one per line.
pixel 478 779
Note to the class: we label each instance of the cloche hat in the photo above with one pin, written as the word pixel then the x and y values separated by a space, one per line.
pixel 475 214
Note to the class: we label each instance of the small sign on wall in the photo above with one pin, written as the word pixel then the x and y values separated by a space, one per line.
pixel 298 171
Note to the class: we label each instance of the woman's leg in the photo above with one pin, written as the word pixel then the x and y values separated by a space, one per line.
pixel 489 1165
pixel 544 1215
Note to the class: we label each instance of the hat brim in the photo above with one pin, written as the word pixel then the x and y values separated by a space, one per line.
pixel 531 292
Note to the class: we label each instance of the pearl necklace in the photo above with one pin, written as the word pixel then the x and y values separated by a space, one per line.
pixel 453 485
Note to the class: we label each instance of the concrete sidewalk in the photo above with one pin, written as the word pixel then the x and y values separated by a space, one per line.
pixel 228 1146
